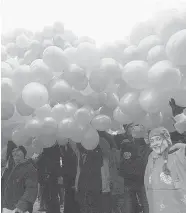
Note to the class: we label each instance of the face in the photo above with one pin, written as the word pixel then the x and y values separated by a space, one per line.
pixel 158 144
pixel 18 156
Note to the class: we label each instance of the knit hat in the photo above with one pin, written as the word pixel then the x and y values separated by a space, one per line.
pixel 163 132
pixel 22 148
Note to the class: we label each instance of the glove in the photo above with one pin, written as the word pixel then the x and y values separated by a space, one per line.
pixel 176 110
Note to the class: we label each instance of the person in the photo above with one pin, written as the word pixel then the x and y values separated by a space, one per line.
pixel 133 160
pixel 69 171
pixel 165 175
pixel 88 180
pixel 19 182
pixel 49 173
pixel 106 206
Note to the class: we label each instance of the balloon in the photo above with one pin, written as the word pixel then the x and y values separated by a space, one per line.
pixel 76 77
pixel 11 49
pixel 70 109
pixel 6 70
pixel 71 55
pixel 91 139
pixel 151 100
pixel 66 127
pixel 84 52
pixel 140 31
pixel 111 68
pixel 129 104
pixel 40 72
pixel 62 141
pixel 22 76
pixel 54 57
pixel 22 41
pixel 59 112
pixel 60 91
pixel 7 110
pixel 35 95
pixel 164 75
pixel 48 32
pixel 111 50
pixel 43 112
pixel 49 126
pixel 30 56
pixel 59 41
pixel 93 100
pixel 98 80
pixel 13 62
pixel 175 48
pixel 106 111
pixel 112 100
pixel 152 120
pixel 84 115
pixel 78 133
pixel 115 126
pixel 47 140
pixel 156 54
pixel 3 53
pixel 121 117
pixel 135 73
pixel 101 122
pixel 181 127
pixel 33 127
pixel 22 108
pixel 130 53
pixel 170 26
pixel 19 136
pixel 7 93
pixel 146 44
pixel 35 46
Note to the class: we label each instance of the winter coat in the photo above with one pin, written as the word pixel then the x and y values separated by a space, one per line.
pixel 166 194
pixel 19 186
pixel 133 160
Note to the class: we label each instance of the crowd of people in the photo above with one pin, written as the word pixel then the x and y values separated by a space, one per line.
pixel 124 174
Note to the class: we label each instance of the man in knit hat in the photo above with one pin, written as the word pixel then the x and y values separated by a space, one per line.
pixel 19 182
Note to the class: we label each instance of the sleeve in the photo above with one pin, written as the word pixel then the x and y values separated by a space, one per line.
pixel 181 155
pixel 31 190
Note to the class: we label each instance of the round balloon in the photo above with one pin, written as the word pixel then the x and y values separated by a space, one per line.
pixel 101 122
pixel 22 108
pixel 60 91
pixel 91 139
pixel 84 115
pixel 43 112
pixel 135 73
pixel 35 95
pixel 47 140
pixel 59 112
pixel 49 126
pixel 66 127
pixel 164 75
pixel 55 58
pixel 175 48
pixel 121 117
pixel 33 127
pixel 156 54
pixel 7 93
pixel 6 70
pixel 7 110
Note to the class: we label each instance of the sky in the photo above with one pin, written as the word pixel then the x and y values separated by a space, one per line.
pixel 103 20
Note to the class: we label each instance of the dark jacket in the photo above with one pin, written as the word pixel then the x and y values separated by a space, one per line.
pixel 133 161
pixel 19 186
pixel 48 165
pixel 90 163
pixel 69 167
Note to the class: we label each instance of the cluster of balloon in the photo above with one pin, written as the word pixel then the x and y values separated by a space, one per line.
pixel 69 88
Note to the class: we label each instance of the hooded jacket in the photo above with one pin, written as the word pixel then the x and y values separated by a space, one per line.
pixel 19 186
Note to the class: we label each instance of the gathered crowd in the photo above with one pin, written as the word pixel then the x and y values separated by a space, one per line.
pixel 126 173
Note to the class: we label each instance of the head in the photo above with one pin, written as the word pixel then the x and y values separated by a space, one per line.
pixel 159 139
pixel 160 142
pixel 19 154
pixel 134 131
